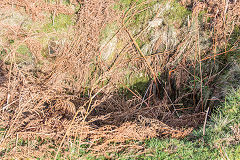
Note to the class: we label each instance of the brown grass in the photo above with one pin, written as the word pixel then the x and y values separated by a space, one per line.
pixel 75 97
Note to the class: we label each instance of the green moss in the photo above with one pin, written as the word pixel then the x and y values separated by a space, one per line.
pixel 202 14
pixel 11 41
pixel 108 31
pixel 140 42
pixel 23 49
pixel 58 23
pixel 176 13
pixel 232 41
pixel 146 14
pixel 3 53
pixel 137 82
pixel 24 54
pixel 65 2
pixel 123 4
pixel 141 13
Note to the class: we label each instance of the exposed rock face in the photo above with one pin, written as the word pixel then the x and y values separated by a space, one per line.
pixel 108 48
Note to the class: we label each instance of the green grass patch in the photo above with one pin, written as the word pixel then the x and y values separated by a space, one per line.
pixel 219 141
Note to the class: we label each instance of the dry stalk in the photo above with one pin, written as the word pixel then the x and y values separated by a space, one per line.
pixel 43 103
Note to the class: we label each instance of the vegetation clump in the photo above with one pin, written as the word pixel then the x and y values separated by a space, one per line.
pixel 129 78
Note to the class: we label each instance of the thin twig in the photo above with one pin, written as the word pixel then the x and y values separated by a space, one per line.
pixel 205 121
